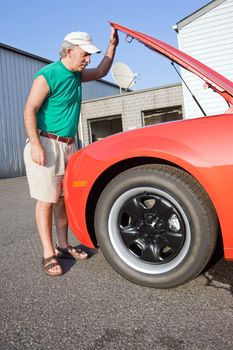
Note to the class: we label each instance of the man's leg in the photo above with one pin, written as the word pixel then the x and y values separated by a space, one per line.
pixel 43 213
pixel 61 221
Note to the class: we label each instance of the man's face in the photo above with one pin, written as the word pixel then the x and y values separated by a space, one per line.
pixel 79 58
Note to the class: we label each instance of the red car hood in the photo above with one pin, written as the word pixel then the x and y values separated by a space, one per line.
pixel 216 81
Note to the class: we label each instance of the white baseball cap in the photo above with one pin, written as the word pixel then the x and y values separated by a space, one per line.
pixel 83 40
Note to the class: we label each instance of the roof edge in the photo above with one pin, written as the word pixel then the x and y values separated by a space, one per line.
pixel 135 92
pixel 25 53
pixel 200 12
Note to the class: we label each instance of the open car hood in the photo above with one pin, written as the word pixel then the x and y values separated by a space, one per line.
pixel 216 81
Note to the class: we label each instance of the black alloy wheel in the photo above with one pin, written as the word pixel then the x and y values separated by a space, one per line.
pixel 151 228
pixel 158 228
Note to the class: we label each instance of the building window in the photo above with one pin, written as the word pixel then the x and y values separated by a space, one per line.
pixel 103 127
pixel 161 115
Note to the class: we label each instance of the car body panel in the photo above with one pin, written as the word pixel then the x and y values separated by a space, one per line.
pixel 202 147
pixel 216 81
pixel 199 146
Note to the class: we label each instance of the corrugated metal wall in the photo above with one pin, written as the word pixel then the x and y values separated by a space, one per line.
pixel 97 89
pixel 209 38
pixel 17 70
pixel 16 73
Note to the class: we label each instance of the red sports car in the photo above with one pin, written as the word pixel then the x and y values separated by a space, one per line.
pixel 155 199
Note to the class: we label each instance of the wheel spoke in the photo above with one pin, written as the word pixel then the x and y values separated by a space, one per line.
pixel 174 239
pixel 135 208
pixel 151 252
pixel 129 235
pixel 162 210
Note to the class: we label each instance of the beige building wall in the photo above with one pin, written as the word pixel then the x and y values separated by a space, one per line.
pixel 130 106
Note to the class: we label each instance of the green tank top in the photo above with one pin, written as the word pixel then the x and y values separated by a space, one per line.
pixel 59 114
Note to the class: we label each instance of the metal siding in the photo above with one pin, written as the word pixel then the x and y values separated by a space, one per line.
pixel 17 70
pixel 96 89
pixel 209 38
pixel 16 74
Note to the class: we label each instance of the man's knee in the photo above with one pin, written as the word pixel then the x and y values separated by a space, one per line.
pixel 44 205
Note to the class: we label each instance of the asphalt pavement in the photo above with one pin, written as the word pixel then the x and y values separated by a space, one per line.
pixel 91 307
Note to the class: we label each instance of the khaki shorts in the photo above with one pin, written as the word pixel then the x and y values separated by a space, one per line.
pixel 46 182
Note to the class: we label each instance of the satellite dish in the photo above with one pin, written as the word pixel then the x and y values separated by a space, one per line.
pixel 123 75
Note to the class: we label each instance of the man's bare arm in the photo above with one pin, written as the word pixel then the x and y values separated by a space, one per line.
pixel 37 95
pixel 103 68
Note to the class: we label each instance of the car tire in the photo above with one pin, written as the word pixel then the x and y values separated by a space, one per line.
pixel 156 226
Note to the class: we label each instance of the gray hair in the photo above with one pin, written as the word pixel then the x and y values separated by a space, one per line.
pixel 64 46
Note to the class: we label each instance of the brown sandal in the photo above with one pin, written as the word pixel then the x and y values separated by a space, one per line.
pixel 71 253
pixel 47 264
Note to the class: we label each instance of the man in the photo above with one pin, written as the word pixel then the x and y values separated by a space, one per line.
pixel 51 118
